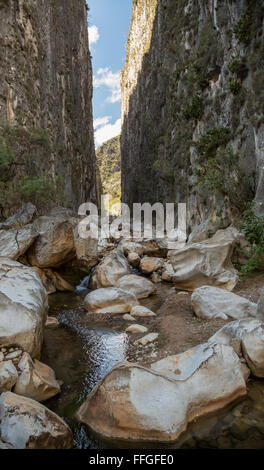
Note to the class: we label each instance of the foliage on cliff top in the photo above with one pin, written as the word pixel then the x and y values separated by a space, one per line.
pixel 109 163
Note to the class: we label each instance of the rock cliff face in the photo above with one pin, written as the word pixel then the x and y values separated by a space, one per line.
pixel 192 106
pixel 46 90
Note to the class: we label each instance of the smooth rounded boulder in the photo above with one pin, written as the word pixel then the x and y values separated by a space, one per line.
pixel 203 264
pixel 26 424
pixel 110 270
pixel 212 302
pixel 137 404
pixel 110 300
pixel 23 307
pixel 36 380
pixel 140 286
pixel 55 243
pixel 247 339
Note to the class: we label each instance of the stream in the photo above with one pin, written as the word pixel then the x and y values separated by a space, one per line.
pixel 81 354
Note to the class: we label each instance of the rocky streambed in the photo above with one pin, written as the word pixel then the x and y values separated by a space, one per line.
pixel 146 346
pixel 82 353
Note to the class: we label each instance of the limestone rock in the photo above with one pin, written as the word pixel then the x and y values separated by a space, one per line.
pixel 205 263
pixel 110 270
pixel 139 404
pixel 149 265
pixel 247 339
pixel 87 252
pixel 140 311
pixel 36 380
pixel 52 323
pixel 23 217
pixel 128 317
pixel 138 285
pixel 8 376
pixel 156 278
pixel 53 281
pixel 26 424
pixel 14 243
pixel 150 338
pixel 23 307
pixel 212 302
pixel 134 259
pixel 136 329
pixel 146 247
pixel 110 300
pixel 55 243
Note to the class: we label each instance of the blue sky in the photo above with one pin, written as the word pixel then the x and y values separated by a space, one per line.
pixel 108 22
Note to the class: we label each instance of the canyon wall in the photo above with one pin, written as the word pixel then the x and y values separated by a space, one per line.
pixel 192 106
pixel 46 94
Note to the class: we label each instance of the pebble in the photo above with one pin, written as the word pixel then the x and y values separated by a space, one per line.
pixel 1 357
pixel 13 355
pixel 147 339
pixel 136 329
pixel 128 317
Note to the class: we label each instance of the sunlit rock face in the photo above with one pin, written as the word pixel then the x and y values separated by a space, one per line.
pixel 192 79
pixel 46 83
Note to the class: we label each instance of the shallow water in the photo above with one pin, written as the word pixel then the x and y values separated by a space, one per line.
pixel 82 353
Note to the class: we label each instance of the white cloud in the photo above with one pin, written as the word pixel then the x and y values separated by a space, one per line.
pixel 105 130
pixel 93 34
pixel 105 77
pixel 101 121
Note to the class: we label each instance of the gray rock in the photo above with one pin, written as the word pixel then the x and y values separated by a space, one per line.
pixel 8 376
pixel 23 217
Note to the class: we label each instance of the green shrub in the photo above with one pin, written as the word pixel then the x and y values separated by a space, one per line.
pixel 235 86
pixel 209 143
pixel 253 228
pixel 242 29
pixel 6 159
pixel 195 109
pixel 238 66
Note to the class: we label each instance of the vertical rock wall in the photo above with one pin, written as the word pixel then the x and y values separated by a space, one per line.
pixel 46 83
pixel 192 106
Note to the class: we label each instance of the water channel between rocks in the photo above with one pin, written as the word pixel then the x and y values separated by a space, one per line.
pixel 82 353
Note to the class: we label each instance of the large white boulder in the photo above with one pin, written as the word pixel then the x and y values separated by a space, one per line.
pixel 36 380
pixel 23 307
pixel 14 243
pixel 26 424
pixel 110 300
pixel 8 376
pixel 110 270
pixel 55 243
pixel 212 302
pixel 138 404
pixel 247 338
pixel 205 263
pixel 140 286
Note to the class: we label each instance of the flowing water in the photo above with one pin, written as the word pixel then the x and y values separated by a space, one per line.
pixel 82 353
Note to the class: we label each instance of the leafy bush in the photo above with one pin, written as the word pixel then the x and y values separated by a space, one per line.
pixel 238 66
pixel 194 110
pixel 235 86
pixel 242 29
pixel 253 228
pixel 209 143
